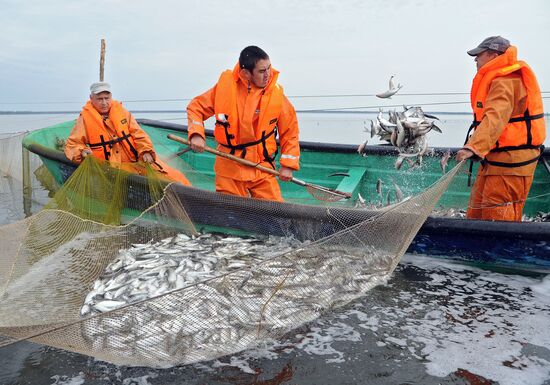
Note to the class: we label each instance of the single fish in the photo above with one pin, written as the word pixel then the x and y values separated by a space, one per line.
pixel 400 134
pixel 385 124
pixel 340 173
pixel 360 203
pixel 398 193
pixel 436 128
pixel 391 91
pixel 379 186
pixel 374 128
pixel 361 149
pixel 444 160
pixel 399 162
pixel 388 198
pixel 431 116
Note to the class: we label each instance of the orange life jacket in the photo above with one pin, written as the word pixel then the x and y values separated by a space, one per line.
pixel 226 113
pixel 100 140
pixel 525 131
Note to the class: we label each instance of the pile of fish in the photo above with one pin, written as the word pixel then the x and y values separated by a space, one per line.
pixel 225 294
pixel 406 130
pixel 151 269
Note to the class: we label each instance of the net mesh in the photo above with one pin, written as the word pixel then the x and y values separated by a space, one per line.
pixel 124 268
pixel 13 162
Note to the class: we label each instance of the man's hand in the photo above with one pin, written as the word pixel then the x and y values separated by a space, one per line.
pixel 197 143
pixel 463 154
pixel 147 157
pixel 285 174
pixel 87 151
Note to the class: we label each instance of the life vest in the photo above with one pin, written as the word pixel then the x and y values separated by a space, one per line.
pixel 226 130
pixel 524 131
pixel 99 138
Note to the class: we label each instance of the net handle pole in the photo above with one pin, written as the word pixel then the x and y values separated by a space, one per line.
pixel 262 168
pixel 102 61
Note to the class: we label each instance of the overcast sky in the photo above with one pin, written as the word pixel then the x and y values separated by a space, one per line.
pixel 49 50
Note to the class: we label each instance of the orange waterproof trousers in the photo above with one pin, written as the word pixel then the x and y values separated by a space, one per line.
pixel 263 188
pixel 499 197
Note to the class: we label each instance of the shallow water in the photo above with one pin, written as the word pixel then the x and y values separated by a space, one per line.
pixel 433 323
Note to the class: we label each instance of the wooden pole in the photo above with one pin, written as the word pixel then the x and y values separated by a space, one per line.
pixel 102 61
pixel 246 162
pixel 27 188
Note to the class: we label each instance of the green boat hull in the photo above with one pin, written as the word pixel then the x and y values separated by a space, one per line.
pixel 524 245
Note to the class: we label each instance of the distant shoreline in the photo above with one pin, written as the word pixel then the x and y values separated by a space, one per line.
pixel 320 111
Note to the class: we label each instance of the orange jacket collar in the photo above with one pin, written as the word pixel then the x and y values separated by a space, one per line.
pixel 507 58
pixel 272 79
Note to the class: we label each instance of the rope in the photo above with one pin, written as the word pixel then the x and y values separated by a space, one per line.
pixel 289 96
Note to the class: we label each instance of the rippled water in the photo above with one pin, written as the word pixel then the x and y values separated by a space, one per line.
pixel 433 323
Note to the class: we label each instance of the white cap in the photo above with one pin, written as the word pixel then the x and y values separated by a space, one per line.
pixel 96 88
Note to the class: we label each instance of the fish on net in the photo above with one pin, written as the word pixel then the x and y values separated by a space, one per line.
pixel 156 290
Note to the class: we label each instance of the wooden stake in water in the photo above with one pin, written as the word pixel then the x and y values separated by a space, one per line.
pixel 102 61
pixel 27 188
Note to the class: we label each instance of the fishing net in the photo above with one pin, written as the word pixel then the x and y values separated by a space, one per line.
pixel 17 169
pixel 135 271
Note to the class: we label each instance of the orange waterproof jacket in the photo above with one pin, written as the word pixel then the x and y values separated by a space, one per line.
pixel 247 121
pixel 117 139
pixel 522 130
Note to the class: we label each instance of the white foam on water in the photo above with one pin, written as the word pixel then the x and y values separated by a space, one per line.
pixel 492 325
pixel 143 380
pixel 237 362
pixel 489 327
pixel 64 380
pixel 319 340
pixel 542 289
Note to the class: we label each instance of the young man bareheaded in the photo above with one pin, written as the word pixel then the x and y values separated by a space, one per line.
pixel 250 110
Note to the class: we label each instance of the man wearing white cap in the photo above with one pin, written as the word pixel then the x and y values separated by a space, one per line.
pixel 106 130
pixel 508 131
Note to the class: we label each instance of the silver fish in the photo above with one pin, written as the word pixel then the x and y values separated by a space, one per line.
pixel 391 91
pixel 444 160
pixel 379 186
pixel 398 193
pixel 407 132
pixel 361 148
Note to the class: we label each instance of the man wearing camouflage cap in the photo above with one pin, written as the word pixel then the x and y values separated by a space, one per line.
pixel 508 131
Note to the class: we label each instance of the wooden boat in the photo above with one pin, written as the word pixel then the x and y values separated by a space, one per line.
pixel 518 246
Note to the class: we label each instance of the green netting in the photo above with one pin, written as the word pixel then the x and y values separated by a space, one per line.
pixel 190 296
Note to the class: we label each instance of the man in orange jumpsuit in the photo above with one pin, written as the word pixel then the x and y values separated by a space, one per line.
pixel 509 131
pixel 250 110
pixel 108 131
